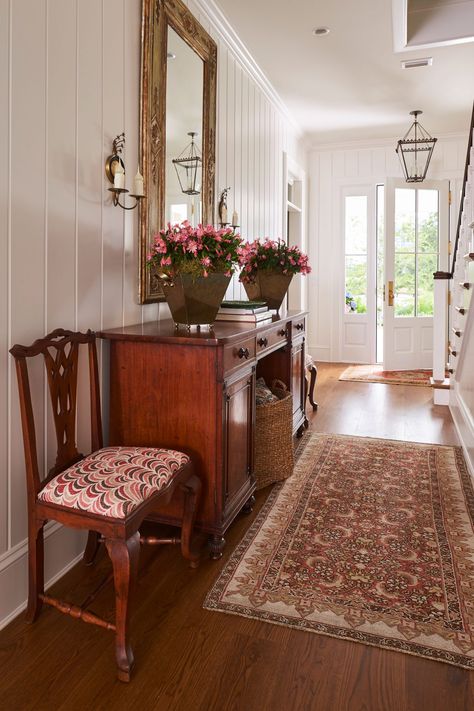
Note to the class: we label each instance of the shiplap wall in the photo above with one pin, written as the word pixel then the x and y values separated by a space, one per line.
pixel 69 81
pixel 331 169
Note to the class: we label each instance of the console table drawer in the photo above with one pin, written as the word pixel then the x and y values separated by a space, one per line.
pixel 238 354
pixel 271 338
pixel 298 327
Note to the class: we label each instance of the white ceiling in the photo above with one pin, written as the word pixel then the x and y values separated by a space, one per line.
pixel 349 85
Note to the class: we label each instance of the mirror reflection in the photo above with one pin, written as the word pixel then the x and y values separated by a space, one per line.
pixel 184 120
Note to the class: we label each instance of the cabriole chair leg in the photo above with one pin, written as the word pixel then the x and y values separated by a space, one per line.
pixel 124 556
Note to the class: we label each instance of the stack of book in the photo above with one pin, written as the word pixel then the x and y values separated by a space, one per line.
pixel 244 311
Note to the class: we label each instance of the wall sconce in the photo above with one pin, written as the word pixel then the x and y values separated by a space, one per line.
pixel 115 172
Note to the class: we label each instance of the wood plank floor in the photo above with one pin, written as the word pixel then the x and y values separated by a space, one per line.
pixel 190 659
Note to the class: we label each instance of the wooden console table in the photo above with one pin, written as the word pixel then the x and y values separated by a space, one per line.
pixel 195 391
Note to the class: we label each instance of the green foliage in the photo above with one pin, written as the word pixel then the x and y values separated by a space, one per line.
pixel 406 260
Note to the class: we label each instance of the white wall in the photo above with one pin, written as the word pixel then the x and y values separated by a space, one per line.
pixel 69 81
pixel 332 169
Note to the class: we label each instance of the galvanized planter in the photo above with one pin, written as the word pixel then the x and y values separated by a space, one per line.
pixel 195 300
pixel 270 287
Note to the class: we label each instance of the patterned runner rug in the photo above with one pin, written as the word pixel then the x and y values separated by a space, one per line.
pixel 375 374
pixel 370 541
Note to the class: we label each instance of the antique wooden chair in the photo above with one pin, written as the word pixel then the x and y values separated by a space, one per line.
pixel 108 492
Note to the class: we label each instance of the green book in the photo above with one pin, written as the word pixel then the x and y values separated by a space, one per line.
pixel 243 307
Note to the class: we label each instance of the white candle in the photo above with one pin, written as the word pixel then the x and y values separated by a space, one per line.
pixel 235 219
pixel 138 183
pixel 224 215
pixel 119 178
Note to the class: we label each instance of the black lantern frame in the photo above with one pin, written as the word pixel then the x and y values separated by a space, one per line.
pixel 187 165
pixel 415 150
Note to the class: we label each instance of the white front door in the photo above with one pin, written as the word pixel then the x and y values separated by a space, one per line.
pixel 416 245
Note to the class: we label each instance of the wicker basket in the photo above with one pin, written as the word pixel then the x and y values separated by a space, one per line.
pixel 274 438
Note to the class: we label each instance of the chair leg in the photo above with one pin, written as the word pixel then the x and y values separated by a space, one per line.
pixel 92 546
pixel 192 490
pixel 35 569
pixel 314 373
pixel 124 556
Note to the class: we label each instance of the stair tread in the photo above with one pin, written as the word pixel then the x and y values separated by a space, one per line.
pixel 441 384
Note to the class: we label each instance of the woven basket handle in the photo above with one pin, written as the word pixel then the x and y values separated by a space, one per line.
pixel 279 384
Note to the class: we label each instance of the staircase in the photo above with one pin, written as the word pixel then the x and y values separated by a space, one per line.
pixel 454 319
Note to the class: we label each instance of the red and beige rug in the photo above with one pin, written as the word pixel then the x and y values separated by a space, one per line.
pixel 375 374
pixel 370 541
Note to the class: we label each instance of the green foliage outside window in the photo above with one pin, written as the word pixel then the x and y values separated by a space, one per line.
pixel 406 261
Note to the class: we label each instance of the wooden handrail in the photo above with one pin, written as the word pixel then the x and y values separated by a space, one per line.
pixel 463 193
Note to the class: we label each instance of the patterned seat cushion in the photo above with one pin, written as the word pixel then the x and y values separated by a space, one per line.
pixel 113 481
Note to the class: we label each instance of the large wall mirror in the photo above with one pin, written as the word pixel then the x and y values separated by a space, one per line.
pixel 178 120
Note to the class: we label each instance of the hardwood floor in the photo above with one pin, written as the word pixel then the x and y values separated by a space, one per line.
pixel 190 659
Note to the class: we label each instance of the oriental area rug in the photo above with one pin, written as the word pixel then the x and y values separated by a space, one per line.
pixel 375 374
pixel 370 541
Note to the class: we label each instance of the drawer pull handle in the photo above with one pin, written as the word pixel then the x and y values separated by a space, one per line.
pixel 282 332
pixel 299 326
pixel 243 353
pixel 263 342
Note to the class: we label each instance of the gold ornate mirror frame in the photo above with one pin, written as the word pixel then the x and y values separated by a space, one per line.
pixel 157 15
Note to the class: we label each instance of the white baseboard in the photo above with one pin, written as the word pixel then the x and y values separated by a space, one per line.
pixel 63 548
pixel 464 424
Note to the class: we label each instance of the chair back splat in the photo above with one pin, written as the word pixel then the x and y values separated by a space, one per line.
pixel 60 350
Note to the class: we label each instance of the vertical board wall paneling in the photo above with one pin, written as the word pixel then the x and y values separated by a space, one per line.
pixel 61 182
pixel 113 124
pixel 244 197
pixel 90 182
pixel 61 163
pixel 5 362
pixel 28 225
pixel 131 312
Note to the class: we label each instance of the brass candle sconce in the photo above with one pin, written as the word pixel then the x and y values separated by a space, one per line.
pixel 115 172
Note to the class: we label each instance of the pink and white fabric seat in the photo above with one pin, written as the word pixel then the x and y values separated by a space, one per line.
pixel 113 481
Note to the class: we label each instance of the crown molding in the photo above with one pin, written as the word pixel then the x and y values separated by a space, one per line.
pixel 377 143
pixel 230 37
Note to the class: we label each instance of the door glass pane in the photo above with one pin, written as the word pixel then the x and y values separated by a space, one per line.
pixel 356 284
pixel 427 221
pixel 355 240
pixel 405 284
pixel 356 224
pixel 427 264
pixel 405 210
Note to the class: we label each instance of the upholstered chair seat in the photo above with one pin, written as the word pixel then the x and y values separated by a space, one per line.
pixel 113 481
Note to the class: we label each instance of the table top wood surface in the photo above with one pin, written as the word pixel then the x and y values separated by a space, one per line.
pixel 222 332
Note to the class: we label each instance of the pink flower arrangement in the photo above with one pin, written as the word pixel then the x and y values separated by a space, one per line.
pixel 195 250
pixel 272 256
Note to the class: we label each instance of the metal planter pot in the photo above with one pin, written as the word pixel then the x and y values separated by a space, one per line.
pixel 270 287
pixel 195 300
